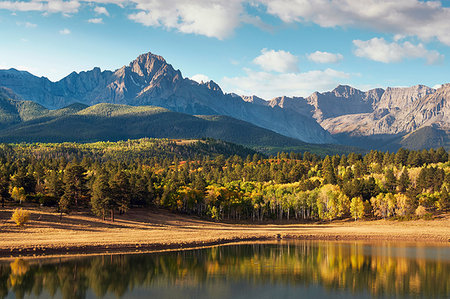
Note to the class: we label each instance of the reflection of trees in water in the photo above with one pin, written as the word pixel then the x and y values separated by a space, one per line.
pixel 379 270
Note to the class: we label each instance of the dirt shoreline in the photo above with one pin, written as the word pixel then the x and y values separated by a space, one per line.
pixel 148 231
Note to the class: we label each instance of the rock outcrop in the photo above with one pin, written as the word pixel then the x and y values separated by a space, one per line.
pixel 398 111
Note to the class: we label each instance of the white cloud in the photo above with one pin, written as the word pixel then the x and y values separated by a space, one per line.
pixel 27 24
pixel 212 18
pixel 269 85
pixel 30 25
pixel 64 31
pixel 100 10
pixel 424 19
pixel 325 57
pixel 379 50
pixel 53 6
pixel 217 18
pixel 96 21
pixel 200 78
pixel 278 61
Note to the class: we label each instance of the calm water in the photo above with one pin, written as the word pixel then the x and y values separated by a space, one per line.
pixel 279 270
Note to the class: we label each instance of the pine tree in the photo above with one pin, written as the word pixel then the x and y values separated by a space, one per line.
pixel 441 155
pixel 22 179
pixel 444 199
pixel 404 182
pixel 199 182
pixel 328 171
pixel 75 190
pixel 401 157
pixel 121 192
pixel 54 185
pixel 101 199
pixel 4 186
pixel 390 181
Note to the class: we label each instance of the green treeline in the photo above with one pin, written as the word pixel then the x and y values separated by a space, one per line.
pixel 222 181
pixel 381 271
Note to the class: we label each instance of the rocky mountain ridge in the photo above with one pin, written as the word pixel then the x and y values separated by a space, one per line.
pixel 150 80
pixel 343 115
pixel 393 112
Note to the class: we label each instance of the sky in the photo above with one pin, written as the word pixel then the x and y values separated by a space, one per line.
pixel 266 48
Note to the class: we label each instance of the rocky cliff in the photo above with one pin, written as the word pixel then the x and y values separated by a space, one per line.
pixel 398 111
pixel 150 80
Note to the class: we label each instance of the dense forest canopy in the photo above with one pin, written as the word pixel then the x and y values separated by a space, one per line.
pixel 223 181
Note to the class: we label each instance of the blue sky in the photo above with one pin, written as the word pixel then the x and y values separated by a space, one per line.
pixel 261 47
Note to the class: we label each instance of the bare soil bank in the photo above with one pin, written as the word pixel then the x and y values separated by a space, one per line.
pixel 143 231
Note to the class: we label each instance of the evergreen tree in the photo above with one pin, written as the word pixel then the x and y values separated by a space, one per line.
pixel 390 180
pixel 101 200
pixel 441 155
pixel 401 157
pixel 4 186
pixel 75 189
pixel 54 185
pixel 22 179
pixel 359 169
pixel 328 172
pixel 121 192
pixel 404 182
pixel 444 199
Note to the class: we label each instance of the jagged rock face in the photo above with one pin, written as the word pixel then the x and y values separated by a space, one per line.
pixel 394 111
pixel 150 80
pixel 253 99
pixel 297 104
pixel 399 111
pixel 400 98
pixel 343 100
pixel 433 109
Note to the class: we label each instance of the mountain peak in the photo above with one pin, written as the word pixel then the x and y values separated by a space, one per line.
pixel 147 64
pixel 150 56
pixel 344 91
pixel 212 85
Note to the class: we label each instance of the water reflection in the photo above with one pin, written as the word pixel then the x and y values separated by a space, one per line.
pixel 259 270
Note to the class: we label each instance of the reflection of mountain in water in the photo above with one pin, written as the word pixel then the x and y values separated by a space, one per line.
pixel 256 270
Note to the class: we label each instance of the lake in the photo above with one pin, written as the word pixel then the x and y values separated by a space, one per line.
pixel 301 269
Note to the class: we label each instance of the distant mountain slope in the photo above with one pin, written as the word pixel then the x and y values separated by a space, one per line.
pixel 426 137
pixel 397 111
pixel 14 111
pixel 113 122
pixel 377 118
pixel 150 80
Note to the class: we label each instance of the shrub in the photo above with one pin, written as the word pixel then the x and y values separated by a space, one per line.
pixel 421 211
pixel 20 217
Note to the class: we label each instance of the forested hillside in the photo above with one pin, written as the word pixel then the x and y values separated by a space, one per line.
pixel 222 181
pixel 25 121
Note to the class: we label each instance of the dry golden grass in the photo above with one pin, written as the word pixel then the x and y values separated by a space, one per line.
pixel 81 233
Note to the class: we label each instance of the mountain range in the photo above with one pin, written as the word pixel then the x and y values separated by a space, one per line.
pixel 414 117
pixel 27 121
